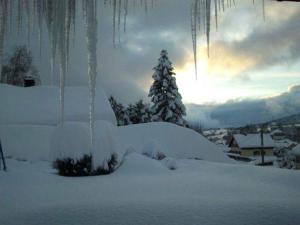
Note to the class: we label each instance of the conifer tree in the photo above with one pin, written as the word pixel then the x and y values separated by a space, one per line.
pixel 167 104
pixel 20 69
pixel 119 111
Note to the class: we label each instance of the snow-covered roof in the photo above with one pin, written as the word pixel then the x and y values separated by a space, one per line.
pixel 40 105
pixel 277 131
pixel 285 143
pixel 296 150
pixel 253 141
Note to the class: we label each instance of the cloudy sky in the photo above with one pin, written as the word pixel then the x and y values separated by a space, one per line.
pixel 251 59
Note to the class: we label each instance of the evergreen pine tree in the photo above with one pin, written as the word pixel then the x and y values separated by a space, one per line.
pixel 119 111
pixel 139 112
pixel 20 69
pixel 167 105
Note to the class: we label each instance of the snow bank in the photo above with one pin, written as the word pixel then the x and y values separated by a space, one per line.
pixel 40 105
pixel 31 142
pixel 26 142
pixel 172 140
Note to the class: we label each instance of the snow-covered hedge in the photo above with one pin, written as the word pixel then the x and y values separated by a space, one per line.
pixel 73 155
pixel 83 166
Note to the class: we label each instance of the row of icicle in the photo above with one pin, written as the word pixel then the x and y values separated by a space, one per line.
pixel 201 20
pixel 58 16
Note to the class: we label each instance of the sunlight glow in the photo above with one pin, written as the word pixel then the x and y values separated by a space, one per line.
pixel 209 87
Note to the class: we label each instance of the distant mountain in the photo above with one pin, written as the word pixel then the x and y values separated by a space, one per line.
pixel 239 113
pixel 293 119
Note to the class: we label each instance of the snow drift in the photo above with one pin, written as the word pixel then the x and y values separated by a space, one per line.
pixel 31 142
pixel 40 105
pixel 172 140
pixel 28 129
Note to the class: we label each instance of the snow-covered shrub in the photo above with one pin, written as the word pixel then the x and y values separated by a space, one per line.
pixel 72 140
pixel 73 155
pixel 152 150
pixel 105 144
pixel 171 163
pixel 83 166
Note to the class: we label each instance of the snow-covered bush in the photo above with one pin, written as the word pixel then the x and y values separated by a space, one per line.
pixel 72 140
pixel 73 155
pixel 83 166
pixel 152 150
pixel 105 143
pixel 285 159
pixel 171 163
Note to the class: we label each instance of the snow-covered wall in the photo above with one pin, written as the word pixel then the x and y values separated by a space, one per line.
pixel 40 105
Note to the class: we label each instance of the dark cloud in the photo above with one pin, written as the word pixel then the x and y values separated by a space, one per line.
pixel 243 112
pixel 277 43
pixel 125 71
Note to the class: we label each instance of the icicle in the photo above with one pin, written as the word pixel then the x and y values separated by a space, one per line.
pixel 2 33
pixel 19 18
pixel 92 59
pixel 208 10
pixel 3 24
pixel 216 13
pixel 119 21
pixel 263 9
pixel 125 14
pixel 114 21
pixel 194 16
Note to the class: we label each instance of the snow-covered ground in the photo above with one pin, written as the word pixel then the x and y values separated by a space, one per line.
pixel 213 190
pixel 145 191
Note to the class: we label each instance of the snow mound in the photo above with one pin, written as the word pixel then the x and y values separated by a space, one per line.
pixel 26 142
pixel 33 143
pixel 40 105
pixel 174 141
pixel 105 143
pixel 152 150
pixel 135 163
pixel 72 140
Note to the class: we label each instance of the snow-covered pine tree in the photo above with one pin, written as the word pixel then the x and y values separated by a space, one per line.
pixel 139 112
pixel 167 105
pixel 119 111
pixel 147 113
pixel 133 114
pixel 20 69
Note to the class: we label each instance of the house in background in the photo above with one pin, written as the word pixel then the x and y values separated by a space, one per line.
pixel 278 135
pixel 250 145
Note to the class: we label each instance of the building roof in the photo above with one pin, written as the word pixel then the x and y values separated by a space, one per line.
pixel 253 141
pixel 277 131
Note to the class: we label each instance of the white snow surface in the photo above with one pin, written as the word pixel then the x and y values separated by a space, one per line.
pixel 296 151
pixel 40 105
pixel 172 140
pixel 72 140
pixel 144 191
pixel 34 143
